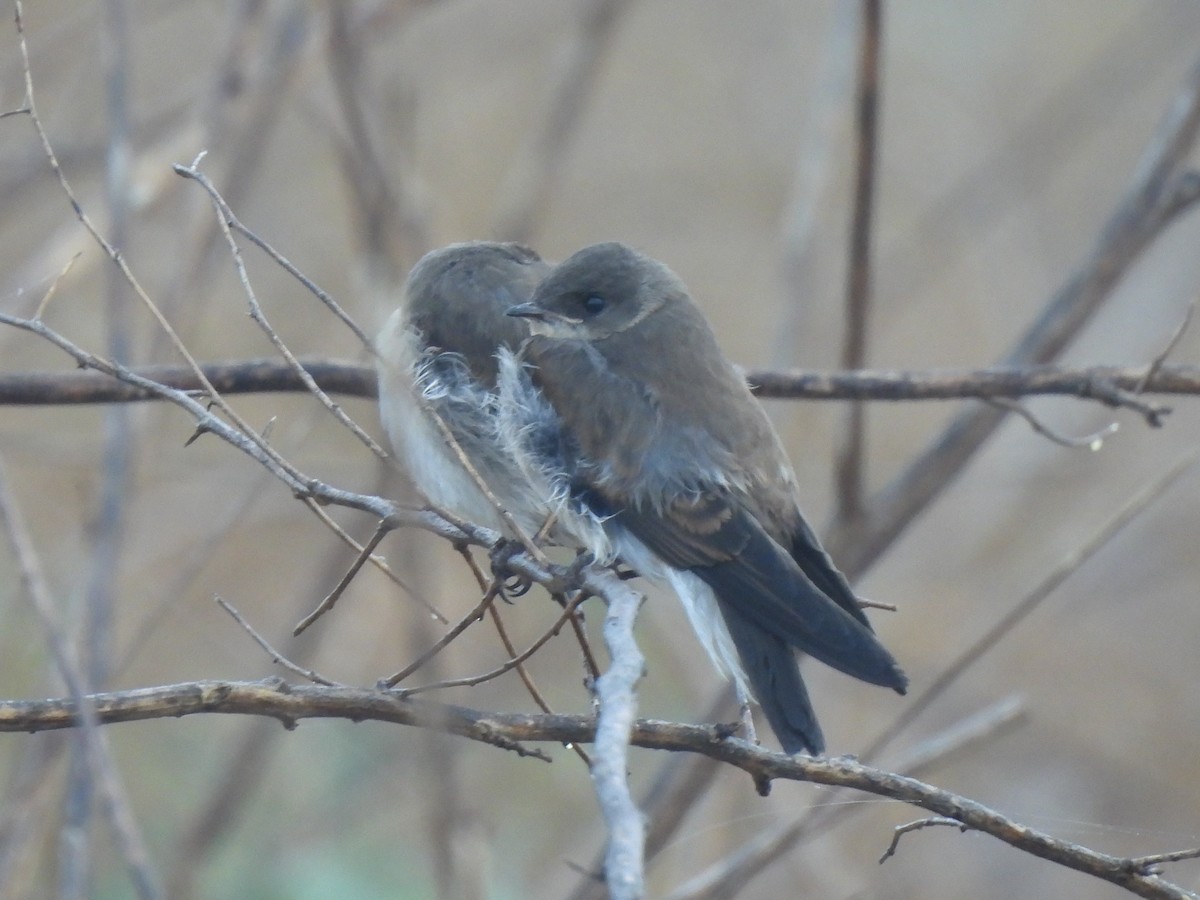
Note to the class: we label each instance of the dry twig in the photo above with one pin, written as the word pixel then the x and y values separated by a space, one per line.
pixel 276 657
pixel 225 218
pixel 1115 386
pixel 510 731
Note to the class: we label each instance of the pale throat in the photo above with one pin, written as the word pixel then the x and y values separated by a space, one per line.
pixel 560 329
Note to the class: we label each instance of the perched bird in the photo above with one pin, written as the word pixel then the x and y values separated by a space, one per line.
pixel 437 359
pixel 666 445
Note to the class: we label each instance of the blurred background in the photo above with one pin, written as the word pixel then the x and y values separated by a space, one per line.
pixel 717 137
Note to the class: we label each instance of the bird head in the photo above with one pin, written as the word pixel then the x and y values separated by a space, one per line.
pixel 602 290
pixel 456 297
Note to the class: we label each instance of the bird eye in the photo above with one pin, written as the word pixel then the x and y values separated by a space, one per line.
pixel 594 304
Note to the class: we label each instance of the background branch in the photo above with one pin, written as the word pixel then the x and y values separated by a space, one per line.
pixel 511 731
pixel 354 139
pixel 1160 190
pixel 849 469
pixel 1110 385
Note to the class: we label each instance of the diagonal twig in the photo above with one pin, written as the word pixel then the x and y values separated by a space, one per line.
pixel 259 317
pixel 515 659
pixel 332 597
pixel 1172 342
pixel 276 657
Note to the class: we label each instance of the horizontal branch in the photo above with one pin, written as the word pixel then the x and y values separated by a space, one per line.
pixel 1107 384
pixel 1090 383
pixel 291 703
pixel 250 376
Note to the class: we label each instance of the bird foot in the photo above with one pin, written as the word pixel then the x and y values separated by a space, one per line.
pixel 512 584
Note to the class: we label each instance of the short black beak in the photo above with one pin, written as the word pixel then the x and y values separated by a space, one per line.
pixel 526 311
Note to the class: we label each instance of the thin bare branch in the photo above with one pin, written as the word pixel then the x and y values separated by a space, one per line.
pixel 1115 386
pixel 502 632
pixel 27 801
pixel 250 754
pixel 377 561
pixel 1172 343
pixel 1038 148
pixel 241 437
pixel 465 461
pixel 1093 441
pixel 53 289
pixel 489 597
pixel 864 603
pixel 572 614
pixel 515 660
pixel 253 80
pixel 230 220
pixel 234 377
pixel 312 491
pixel 260 318
pixel 806 251
pixel 523 672
pixel 276 657
pixel 291 703
pixel 591 668
pixel 118 258
pixel 963 735
pixel 332 597
pixel 1156 859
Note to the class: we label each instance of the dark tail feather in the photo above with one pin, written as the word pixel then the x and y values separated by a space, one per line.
pixel 814 562
pixel 770 665
pixel 768 589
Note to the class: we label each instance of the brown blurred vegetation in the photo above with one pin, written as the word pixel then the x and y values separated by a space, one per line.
pixel 354 135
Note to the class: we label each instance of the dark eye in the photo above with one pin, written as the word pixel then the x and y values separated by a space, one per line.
pixel 594 304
